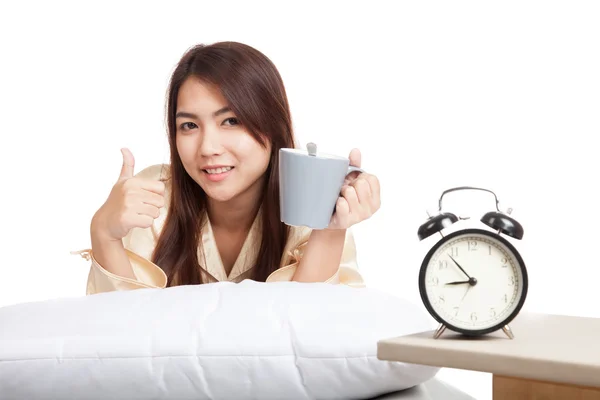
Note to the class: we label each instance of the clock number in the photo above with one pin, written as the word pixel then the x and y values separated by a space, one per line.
pixel 492 312
pixel 441 299
pixel 473 316
pixel 454 251
pixel 455 311
pixel 433 281
pixel 472 245
pixel 504 262
pixel 511 281
pixel 442 264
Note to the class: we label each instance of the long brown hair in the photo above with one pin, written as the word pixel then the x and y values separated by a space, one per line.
pixel 253 87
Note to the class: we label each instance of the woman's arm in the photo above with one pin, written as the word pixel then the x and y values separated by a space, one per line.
pixel 322 256
pixel 110 254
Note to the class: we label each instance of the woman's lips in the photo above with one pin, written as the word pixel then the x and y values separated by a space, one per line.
pixel 217 174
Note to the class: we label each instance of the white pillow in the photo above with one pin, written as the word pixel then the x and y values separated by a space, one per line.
pixel 249 340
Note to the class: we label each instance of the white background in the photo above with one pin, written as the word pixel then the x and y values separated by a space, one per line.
pixel 503 95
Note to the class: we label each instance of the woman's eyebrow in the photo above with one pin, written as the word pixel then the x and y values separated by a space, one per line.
pixel 184 114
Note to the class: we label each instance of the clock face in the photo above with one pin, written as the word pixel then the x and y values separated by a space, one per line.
pixel 473 281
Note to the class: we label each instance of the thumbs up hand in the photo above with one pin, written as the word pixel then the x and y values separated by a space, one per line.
pixel 133 202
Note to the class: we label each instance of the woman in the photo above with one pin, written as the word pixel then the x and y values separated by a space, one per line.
pixel 212 214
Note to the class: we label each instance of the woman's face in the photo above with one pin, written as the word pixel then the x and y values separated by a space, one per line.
pixel 216 151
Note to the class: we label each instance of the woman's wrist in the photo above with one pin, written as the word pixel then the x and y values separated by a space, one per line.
pixel 109 253
pixel 322 256
pixel 333 236
pixel 98 231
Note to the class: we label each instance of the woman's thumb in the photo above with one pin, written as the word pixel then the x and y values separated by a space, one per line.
pixel 128 164
pixel 355 158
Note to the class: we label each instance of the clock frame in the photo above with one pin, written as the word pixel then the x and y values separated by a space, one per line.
pixel 523 282
pixel 500 223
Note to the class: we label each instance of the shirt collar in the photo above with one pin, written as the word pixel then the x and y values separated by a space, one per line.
pixel 246 260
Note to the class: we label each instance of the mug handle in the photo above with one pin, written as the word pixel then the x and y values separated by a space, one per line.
pixel 352 168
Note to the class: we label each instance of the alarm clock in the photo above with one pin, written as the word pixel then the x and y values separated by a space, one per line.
pixel 473 281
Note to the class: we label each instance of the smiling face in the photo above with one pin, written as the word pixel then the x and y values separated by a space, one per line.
pixel 215 149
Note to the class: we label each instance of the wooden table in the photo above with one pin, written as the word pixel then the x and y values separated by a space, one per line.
pixel 550 357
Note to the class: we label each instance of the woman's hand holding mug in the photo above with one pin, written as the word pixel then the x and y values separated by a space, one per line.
pixel 325 191
pixel 360 197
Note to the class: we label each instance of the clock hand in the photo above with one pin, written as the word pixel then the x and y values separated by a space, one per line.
pixel 471 281
pixel 461 268
pixel 465 295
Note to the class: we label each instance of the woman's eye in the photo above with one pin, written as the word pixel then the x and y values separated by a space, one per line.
pixel 232 121
pixel 187 126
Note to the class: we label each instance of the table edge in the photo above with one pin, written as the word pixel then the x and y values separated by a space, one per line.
pixel 580 374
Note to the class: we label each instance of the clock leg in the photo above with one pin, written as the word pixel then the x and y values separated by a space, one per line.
pixel 508 332
pixel 438 332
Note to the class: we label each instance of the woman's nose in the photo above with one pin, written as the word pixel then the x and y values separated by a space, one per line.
pixel 210 143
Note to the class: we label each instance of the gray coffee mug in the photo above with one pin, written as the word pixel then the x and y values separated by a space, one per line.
pixel 309 185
